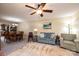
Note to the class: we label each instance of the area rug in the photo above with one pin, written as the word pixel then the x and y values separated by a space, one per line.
pixel 39 49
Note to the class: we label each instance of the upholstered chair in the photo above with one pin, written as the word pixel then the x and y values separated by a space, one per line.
pixel 70 41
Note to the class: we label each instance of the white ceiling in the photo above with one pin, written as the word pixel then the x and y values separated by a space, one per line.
pixel 19 10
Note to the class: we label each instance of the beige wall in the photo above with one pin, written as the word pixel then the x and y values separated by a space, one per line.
pixel 56 25
pixel 26 27
pixel 59 25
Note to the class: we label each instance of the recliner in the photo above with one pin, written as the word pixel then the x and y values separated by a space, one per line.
pixel 70 42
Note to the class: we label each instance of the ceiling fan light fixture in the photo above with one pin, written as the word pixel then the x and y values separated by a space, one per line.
pixel 39 11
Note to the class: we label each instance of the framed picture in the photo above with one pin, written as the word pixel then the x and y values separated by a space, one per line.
pixel 47 25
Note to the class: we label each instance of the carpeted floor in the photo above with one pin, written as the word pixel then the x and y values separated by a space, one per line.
pixel 7 48
pixel 23 48
pixel 38 49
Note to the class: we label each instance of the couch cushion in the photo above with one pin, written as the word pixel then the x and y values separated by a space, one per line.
pixel 69 45
pixel 47 35
pixel 41 35
pixel 53 36
pixel 68 36
pixel 69 42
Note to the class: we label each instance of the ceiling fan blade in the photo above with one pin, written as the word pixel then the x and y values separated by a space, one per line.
pixel 50 11
pixel 38 6
pixel 30 7
pixel 41 15
pixel 42 5
pixel 32 13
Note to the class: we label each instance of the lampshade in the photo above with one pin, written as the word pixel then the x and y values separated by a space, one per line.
pixel 35 30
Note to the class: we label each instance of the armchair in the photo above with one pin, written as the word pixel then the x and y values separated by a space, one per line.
pixel 70 42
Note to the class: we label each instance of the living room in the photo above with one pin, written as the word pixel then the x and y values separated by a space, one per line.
pixel 62 20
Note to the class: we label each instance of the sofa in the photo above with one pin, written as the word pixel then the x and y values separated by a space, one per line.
pixel 70 41
pixel 46 37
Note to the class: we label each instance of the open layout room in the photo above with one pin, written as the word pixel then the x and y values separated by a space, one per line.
pixel 39 29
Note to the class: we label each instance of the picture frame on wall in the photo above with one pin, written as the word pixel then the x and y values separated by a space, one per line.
pixel 47 25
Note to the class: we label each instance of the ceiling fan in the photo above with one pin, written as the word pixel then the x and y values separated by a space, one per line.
pixel 40 9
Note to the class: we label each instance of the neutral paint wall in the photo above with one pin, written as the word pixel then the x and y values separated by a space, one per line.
pixel 59 25
pixel 77 23
pixel 56 26
pixel 26 27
